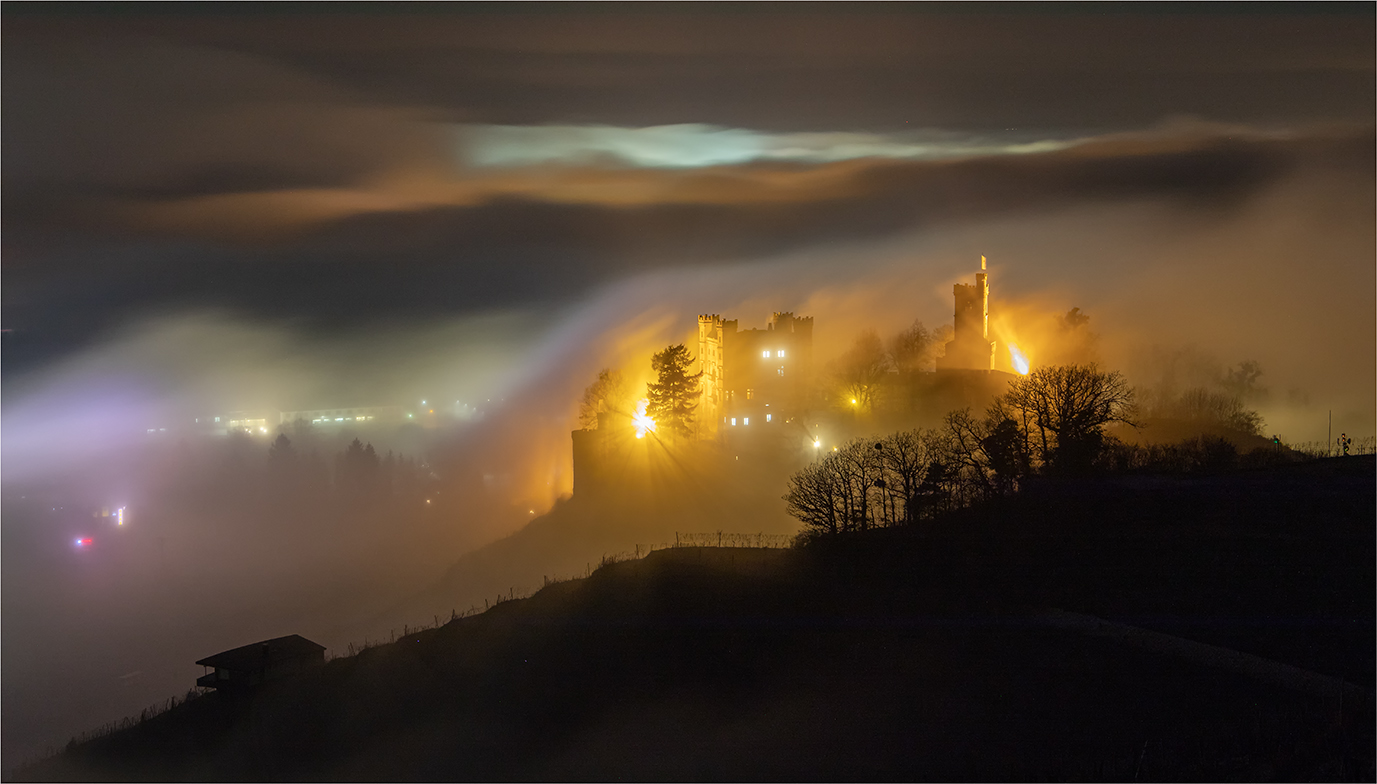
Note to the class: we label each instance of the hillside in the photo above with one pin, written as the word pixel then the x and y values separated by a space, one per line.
pixel 899 654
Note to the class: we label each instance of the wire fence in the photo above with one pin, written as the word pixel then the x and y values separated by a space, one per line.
pixel 1366 445
pixel 725 539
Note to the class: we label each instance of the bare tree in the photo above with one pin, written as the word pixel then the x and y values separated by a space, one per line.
pixel 607 394
pixel 860 372
pixel 911 350
pixel 869 483
pixel 1067 407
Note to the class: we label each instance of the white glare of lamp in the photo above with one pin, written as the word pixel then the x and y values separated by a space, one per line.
pixel 817 444
pixel 423 402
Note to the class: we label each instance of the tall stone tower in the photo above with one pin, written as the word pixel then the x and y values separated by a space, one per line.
pixel 970 347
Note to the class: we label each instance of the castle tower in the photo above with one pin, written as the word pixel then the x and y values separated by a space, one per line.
pixel 970 347
pixel 710 362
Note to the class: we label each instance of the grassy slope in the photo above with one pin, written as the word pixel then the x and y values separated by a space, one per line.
pixel 892 656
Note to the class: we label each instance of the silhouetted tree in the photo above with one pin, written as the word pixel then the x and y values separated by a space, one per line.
pixel 674 396
pixel 1067 407
pixel 1074 343
pixel 911 351
pixel 989 453
pixel 1221 410
pixel 1242 382
pixel 868 483
pixel 861 371
pixel 356 469
pixel 607 394
pixel 281 453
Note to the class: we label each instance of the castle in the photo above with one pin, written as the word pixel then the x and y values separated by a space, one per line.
pixel 757 385
pixel 752 375
pixel 970 347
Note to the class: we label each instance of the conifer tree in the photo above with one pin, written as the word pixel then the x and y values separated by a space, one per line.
pixel 675 396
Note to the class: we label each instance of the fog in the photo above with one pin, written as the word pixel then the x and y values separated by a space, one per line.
pixel 456 220
pixel 209 558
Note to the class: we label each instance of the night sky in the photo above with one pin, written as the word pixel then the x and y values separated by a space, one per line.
pixel 343 165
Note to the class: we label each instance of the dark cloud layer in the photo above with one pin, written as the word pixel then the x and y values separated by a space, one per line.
pixel 424 263
pixel 307 162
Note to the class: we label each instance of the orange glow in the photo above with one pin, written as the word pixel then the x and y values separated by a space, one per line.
pixel 1019 361
pixel 643 423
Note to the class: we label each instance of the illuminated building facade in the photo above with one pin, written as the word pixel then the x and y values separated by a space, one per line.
pixel 332 416
pixel 970 347
pixel 752 377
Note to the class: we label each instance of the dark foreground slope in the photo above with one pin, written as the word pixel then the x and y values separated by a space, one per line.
pixel 903 655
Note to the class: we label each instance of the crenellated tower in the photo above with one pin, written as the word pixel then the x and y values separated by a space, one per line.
pixel 970 347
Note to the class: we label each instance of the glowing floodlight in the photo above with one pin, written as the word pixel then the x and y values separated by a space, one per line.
pixel 119 516
pixel 817 444
pixel 1020 361
pixel 642 422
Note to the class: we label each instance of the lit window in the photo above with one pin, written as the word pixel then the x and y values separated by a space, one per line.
pixel 750 393
pixel 217 419
pixel 781 371
pixel 746 421
pixel 780 353
pixel 765 354
pixel 733 421
pixel 767 417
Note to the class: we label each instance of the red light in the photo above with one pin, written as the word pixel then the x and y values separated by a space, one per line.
pixel 83 542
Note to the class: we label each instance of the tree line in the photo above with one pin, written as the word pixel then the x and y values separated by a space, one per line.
pixel 1050 422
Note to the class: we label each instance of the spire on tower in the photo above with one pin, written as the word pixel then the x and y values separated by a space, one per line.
pixel 982 263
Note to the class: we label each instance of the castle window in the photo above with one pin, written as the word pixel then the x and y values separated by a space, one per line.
pixel 733 421
pixel 781 371
pixel 780 353
pixel 765 354
pixel 750 393
pixel 767 417
pixel 746 421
